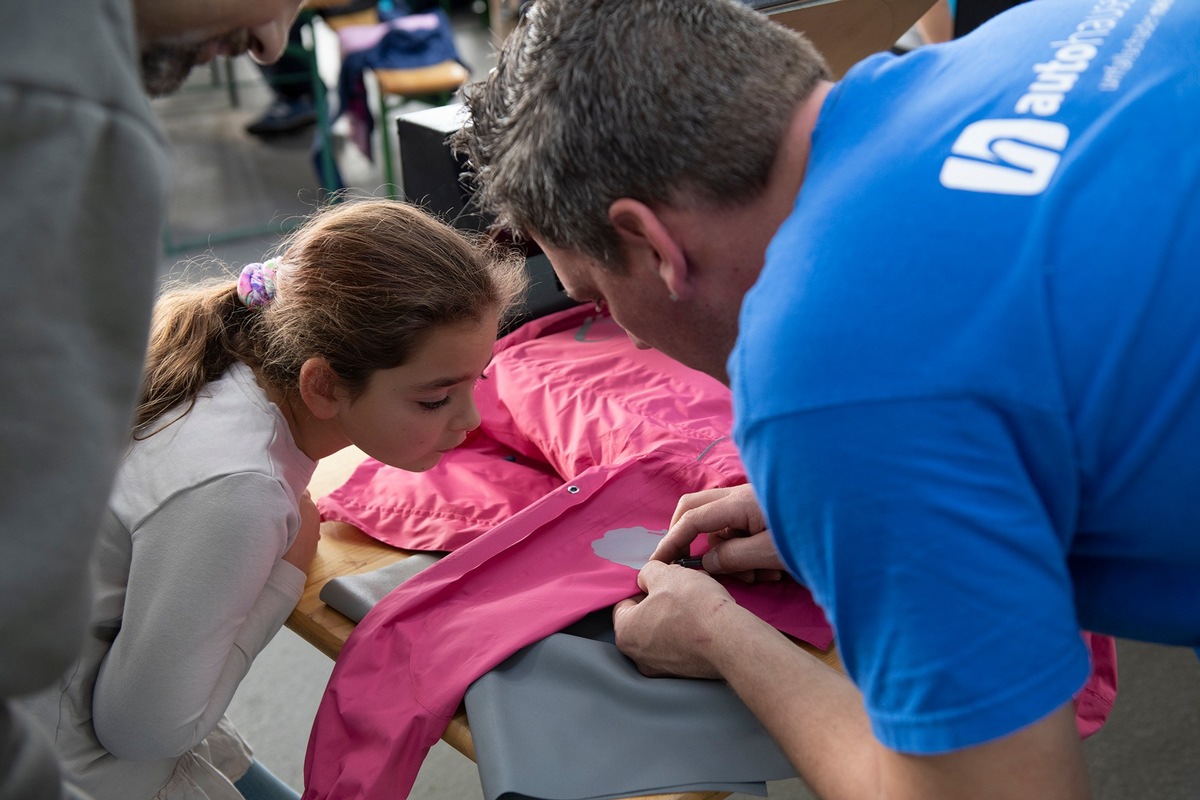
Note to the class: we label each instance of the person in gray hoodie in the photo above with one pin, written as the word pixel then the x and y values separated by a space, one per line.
pixel 84 168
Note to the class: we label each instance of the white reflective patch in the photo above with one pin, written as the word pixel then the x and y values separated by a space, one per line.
pixel 631 547
pixel 1005 156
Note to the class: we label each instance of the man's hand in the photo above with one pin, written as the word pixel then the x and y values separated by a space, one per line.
pixel 670 629
pixel 738 540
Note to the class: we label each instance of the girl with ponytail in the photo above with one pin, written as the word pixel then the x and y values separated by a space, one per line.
pixel 370 328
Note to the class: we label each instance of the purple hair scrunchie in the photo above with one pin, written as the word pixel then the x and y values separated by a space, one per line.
pixel 256 284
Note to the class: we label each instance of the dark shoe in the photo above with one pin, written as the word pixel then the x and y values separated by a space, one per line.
pixel 284 116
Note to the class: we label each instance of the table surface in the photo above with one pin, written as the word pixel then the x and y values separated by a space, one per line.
pixel 345 550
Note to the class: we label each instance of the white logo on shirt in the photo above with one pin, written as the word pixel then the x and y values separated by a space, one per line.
pixel 1005 156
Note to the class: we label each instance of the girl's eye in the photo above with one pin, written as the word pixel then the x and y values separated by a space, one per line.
pixel 435 405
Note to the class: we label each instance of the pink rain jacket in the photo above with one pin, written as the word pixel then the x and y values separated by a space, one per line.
pixel 585 446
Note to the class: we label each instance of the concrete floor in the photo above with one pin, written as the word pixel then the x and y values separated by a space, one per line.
pixel 226 180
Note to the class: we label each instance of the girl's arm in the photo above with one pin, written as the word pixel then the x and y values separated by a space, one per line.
pixel 207 590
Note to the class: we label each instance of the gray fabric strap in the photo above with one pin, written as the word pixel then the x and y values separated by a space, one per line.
pixel 355 595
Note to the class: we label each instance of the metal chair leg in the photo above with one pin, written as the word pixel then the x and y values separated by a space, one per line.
pixel 385 144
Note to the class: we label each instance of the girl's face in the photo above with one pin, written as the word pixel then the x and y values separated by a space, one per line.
pixel 410 415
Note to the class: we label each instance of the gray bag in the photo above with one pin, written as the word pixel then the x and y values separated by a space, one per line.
pixel 570 718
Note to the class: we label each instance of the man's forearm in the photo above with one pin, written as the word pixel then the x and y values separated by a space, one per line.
pixel 818 717
pixel 813 711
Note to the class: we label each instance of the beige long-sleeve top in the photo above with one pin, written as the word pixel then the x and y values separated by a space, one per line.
pixel 190 587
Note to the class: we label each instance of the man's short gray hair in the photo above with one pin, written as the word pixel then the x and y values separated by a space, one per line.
pixel 664 101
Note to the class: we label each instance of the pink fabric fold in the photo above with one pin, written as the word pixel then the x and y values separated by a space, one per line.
pixel 563 393
pixel 1095 700
pixel 474 487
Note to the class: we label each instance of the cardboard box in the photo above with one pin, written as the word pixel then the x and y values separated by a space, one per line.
pixel 846 31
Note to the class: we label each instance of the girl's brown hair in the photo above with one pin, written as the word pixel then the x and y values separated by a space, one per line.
pixel 360 284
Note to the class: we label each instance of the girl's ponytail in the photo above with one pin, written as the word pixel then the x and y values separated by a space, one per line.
pixel 198 331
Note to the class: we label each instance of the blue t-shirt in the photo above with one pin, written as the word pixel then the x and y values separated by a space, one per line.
pixel 967 383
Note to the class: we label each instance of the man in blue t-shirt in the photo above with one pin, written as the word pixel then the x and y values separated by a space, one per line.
pixel 967 365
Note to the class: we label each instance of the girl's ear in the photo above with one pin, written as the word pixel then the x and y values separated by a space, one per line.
pixel 319 388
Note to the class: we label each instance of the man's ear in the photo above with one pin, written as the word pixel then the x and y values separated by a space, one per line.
pixel 650 243
pixel 319 388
